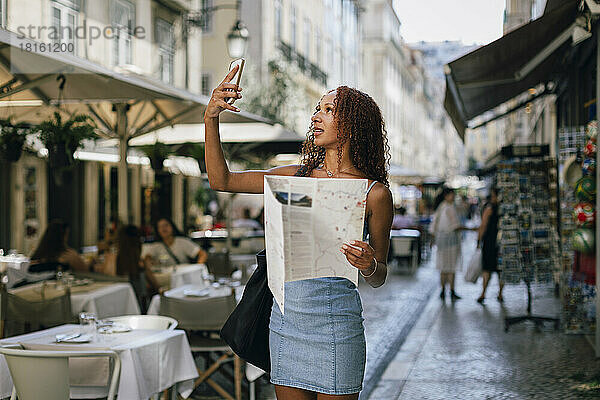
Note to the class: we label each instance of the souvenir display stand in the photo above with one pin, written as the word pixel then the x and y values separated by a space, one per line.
pixel 577 162
pixel 528 244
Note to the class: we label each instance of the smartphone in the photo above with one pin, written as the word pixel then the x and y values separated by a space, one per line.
pixel 238 75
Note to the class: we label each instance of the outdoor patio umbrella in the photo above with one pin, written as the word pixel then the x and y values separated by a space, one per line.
pixel 34 84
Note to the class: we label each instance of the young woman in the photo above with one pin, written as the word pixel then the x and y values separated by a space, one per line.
pixel 446 229
pixel 488 230
pixel 318 346
pixel 52 250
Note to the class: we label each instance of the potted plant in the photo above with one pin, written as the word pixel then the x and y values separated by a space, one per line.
pixel 62 139
pixel 12 139
pixel 158 153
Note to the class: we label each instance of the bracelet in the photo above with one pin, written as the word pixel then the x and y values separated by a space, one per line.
pixel 371 274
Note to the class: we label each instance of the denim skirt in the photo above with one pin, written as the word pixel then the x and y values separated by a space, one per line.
pixel 319 344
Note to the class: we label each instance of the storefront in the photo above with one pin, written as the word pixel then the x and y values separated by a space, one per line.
pixel 555 58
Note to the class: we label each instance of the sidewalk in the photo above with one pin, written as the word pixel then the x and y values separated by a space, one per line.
pixel 460 351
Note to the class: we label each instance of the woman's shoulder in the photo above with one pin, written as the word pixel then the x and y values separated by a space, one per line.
pixel 286 170
pixel 379 194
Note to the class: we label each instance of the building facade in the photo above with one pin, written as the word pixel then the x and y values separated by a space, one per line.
pixel 410 95
pixel 314 41
pixel 147 38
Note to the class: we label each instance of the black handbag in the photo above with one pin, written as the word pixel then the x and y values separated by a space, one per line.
pixel 246 330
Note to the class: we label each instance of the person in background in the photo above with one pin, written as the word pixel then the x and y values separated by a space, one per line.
pixel 401 220
pixel 488 231
pixel 172 246
pixel 52 251
pixel 129 263
pixel 446 230
pixel 247 222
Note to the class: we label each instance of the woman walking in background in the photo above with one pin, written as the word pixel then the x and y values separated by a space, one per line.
pixel 488 231
pixel 446 229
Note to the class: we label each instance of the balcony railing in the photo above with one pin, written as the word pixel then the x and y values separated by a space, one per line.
pixel 309 69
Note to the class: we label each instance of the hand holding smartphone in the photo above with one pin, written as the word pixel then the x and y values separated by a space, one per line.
pixel 238 75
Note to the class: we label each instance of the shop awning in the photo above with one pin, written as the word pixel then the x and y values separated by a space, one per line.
pixel 520 60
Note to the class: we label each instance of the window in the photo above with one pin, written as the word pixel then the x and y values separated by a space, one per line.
pixel 293 26
pixel 307 39
pixel 166 49
pixel 328 62
pixel 318 49
pixel 207 20
pixel 206 84
pixel 65 16
pixel 123 20
pixel 3 13
pixel 278 20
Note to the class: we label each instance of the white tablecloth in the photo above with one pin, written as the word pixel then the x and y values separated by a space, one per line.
pixel 151 361
pixel 109 301
pixel 16 275
pixel 186 274
pixel 179 293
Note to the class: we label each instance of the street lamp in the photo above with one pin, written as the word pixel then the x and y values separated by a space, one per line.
pixel 237 40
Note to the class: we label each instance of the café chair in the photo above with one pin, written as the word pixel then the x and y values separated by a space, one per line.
pixel 151 322
pixel 44 374
pixel 47 312
pixel 202 318
pixel 405 248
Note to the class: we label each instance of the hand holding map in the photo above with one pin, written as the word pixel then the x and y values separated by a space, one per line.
pixel 307 220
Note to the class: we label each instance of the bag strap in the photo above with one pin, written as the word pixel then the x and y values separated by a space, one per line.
pixel 171 253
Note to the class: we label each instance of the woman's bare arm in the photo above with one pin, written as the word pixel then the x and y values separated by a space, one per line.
pixel 370 258
pixel 219 176
pixel 380 223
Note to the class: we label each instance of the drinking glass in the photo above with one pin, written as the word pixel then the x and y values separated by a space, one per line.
pixel 87 323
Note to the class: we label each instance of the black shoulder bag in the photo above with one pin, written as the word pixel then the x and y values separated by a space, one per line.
pixel 246 330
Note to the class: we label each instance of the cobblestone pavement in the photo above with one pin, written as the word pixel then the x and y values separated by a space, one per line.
pixel 460 351
pixel 390 312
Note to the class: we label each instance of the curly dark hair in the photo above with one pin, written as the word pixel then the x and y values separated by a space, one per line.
pixel 358 119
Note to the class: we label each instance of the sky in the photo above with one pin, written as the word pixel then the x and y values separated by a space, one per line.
pixel 470 21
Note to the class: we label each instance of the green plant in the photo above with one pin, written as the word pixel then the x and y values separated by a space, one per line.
pixel 196 151
pixel 158 153
pixel 12 139
pixel 202 197
pixel 62 139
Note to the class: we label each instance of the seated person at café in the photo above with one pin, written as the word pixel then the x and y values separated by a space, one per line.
pixel 171 246
pixel 401 220
pixel 127 261
pixel 53 252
